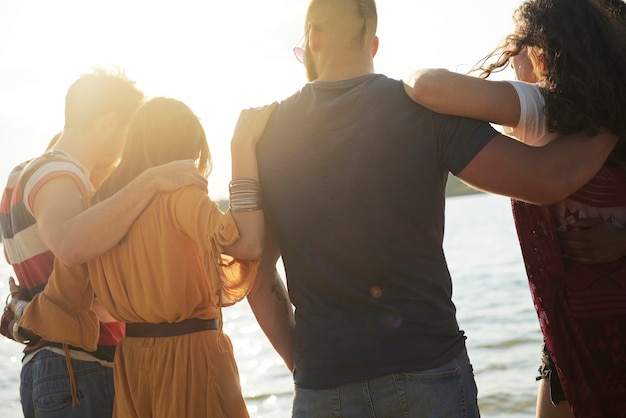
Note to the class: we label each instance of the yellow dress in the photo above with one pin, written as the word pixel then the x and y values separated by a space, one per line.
pixel 168 268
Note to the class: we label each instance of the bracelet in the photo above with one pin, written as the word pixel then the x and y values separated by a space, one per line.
pixel 245 195
pixel 19 310
pixel 16 333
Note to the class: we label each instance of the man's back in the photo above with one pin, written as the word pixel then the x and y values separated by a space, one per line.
pixel 354 177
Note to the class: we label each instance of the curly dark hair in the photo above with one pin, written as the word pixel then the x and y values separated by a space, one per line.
pixel 581 46
pixel 617 7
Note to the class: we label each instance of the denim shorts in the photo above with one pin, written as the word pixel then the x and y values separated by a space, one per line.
pixel 446 391
pixel 547 370
pixel 45 388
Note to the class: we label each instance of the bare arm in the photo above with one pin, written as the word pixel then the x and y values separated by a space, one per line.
pixel 249 129
pixel 451 93
pixel 504 167
pixel 75 235
pixel 539 175
pixel 270 303
pixel 595 241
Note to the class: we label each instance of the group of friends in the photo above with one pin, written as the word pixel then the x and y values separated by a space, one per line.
pixel 124 263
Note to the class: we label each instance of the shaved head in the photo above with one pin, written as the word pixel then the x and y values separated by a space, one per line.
pixel 348 26
pixel 345 19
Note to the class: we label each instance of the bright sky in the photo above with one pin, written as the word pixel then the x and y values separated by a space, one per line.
pixel 217 56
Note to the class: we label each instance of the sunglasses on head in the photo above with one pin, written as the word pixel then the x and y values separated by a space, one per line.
pixel 298 50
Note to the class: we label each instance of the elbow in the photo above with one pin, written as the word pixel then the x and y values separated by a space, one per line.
pixel 559 194
pixel 562 188
pixel 70 261
pixel 69 258
pixel 69 254
pixel 66 247
pixel 545 195
pixel 251 251
pixel 255 252
pixel 425 86
pixel 553 197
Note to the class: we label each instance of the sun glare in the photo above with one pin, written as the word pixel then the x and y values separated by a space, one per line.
pixel 217 59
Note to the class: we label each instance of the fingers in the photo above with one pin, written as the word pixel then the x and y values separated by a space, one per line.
pixel 252 122
pixel 188 176
pixel 258 114
pixel 176 174
pixel 270 107
pixel 265 108
pixel 200 180
pixel 180 164
pixel 577 251
pixel 586 222
pixel 587 248
pixel 581 260
pixel 16 292
pixel 572 236
pixel 586 229
pixel 571 249
pixel 261 111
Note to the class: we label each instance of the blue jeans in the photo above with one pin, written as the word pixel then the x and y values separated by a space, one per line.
pixel 45 388
pixel 448 391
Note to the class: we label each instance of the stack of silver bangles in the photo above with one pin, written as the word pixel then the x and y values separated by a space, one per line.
pixel 245 195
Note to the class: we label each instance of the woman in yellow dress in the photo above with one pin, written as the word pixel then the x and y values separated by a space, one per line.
pixel 180 263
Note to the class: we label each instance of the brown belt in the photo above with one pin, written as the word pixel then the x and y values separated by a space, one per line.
pixel 170 329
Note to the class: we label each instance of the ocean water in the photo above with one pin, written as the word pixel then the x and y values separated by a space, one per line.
pixel 494 309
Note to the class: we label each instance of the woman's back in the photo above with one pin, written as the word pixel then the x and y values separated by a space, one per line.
pixel 166 269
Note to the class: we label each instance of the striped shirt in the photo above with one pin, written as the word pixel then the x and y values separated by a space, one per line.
pixel 31 259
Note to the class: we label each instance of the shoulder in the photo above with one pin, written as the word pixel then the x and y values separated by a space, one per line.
pixel 15 174
pixel 51 171
pixel 190 201
pixel 188 193
pixel 527 91
pixel 52 164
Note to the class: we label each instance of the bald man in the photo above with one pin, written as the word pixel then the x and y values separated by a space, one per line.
pixel 353 175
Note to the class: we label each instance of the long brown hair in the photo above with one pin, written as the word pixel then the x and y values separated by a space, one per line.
pixel 162 130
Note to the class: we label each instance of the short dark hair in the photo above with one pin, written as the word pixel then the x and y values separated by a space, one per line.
pixel 99 92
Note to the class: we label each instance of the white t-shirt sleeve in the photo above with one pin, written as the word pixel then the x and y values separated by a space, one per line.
pixel 531 127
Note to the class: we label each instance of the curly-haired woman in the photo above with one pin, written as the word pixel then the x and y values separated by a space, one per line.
pixel 571 58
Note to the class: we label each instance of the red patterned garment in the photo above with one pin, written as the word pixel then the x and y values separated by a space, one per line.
pixel 581 308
